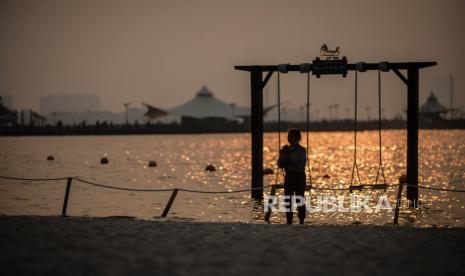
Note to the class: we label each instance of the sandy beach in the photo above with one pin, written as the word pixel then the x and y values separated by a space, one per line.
pixel 33 245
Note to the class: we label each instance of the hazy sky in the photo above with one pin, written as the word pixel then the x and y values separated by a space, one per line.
pixel 162 52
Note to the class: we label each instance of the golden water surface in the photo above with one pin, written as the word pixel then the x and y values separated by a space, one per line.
pixel 181 162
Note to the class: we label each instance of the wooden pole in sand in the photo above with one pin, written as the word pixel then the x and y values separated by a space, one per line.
pixel 170 202
pixel 268 211
pixel 402 181
pixel 65 201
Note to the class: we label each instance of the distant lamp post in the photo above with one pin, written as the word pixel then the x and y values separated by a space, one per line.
pixel 368 109
pixel 451 87
pixel 126 106
pixel 233 107
pixel 301 109
pixel 347 112
pixel 336 108
pixel 54 118
pixel 55 114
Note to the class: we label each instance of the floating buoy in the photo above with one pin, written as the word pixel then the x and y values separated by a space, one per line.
pixel 210 168
pixel 403 179
pixel 104 160
pixel 50 158
pixel 326 176
pixel 268 171
pixel 152 163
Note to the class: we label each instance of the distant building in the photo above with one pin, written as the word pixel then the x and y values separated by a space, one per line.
pixel 69 103
pixel 7 101
pixel 432 109
pixel 8 117
pixel 91 117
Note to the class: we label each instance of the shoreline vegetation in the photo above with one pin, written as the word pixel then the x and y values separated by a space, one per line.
pixel 215 127
pixel 36 245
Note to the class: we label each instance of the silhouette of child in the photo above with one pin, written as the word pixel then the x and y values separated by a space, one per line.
pixel 293 158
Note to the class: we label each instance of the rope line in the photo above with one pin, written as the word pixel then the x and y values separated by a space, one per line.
pixel 355 165
pixel 223 192
pixel 279 111
pixel 131 189
pixel 365 186
pixel 278 170
pixel 34 179
pixel 381 167
pixel 437 189
pixel 309 168
pixel 120 188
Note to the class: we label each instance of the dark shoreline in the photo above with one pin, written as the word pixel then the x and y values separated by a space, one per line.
pixel 343 125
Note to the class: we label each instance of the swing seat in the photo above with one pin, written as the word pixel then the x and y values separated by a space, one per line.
pixel 281 186
pixel 368 186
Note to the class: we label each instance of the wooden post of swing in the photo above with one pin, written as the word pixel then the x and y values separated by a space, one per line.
pixel 257 132
pixel 67 192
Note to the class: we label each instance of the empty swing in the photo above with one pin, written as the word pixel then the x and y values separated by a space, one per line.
pixel 355 172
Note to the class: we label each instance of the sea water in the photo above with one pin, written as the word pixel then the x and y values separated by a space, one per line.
pixel 182 159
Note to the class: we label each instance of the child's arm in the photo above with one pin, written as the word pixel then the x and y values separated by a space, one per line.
pixel 283 159
pixel 303 157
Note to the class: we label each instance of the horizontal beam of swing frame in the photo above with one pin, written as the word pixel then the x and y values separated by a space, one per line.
pixel 257 84
pixel 350 67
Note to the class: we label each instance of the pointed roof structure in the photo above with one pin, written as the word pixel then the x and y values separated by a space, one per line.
pixel 205 104
pixel 153 112
pixel 432 106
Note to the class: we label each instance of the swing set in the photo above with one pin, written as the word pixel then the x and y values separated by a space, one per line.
pixel 337 67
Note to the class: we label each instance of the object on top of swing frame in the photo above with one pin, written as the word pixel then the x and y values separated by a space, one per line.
pixel 330 67
pixel 326 53
pixel 283 68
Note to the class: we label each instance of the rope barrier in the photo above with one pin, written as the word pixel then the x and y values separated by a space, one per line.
pixel 174 191
pixel 366 187
pixel 223 192
pixel 132 189
pixel 120 188
pixel 437 189
pixel 33 179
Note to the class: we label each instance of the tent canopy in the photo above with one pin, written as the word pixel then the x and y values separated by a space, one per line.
pixel 204 105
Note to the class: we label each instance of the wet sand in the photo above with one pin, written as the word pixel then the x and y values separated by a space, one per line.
pixel 32 245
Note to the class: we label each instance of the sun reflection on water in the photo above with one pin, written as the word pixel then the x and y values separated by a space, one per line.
pixel 182 159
